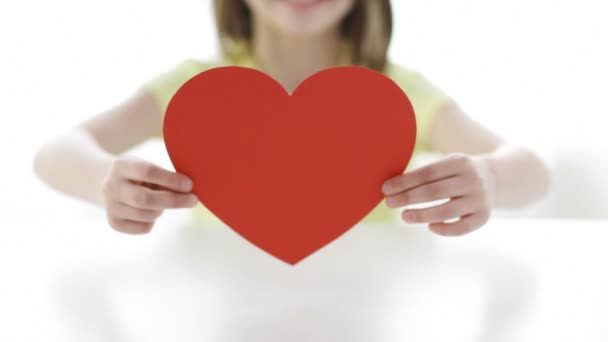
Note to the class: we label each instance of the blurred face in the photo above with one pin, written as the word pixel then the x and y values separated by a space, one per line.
pixel 301 17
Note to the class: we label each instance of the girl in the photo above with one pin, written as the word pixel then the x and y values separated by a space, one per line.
pixel 290 40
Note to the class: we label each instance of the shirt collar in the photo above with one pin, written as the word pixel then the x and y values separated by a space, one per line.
pixel 240 55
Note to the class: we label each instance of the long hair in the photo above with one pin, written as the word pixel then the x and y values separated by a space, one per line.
pixel 368 28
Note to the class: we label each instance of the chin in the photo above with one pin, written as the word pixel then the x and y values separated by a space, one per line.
pixel 309 17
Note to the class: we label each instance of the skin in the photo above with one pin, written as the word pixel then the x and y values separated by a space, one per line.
pixel 293 39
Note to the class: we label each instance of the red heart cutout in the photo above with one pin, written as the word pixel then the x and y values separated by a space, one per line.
pixel 290 173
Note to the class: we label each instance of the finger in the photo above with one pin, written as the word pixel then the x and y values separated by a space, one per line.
pixel 446 188
pixel 130 227
pixel 455 208
pixel 444 168
pixel 141 171
pixel 126 212
pixel 465 225
pixel 141 197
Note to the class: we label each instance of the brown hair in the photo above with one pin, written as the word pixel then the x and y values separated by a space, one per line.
pixel 367 27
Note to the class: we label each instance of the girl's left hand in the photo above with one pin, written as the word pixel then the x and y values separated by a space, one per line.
pixel 466 181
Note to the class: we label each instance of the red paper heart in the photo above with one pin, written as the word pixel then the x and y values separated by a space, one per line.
pixel 290 173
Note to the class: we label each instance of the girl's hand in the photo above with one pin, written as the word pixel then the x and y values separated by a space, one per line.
pixel 466 181
pixel 135 194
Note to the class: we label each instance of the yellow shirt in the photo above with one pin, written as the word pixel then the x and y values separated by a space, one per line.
pixel 424 96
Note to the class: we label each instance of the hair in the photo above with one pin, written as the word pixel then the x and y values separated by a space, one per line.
pixel 368 28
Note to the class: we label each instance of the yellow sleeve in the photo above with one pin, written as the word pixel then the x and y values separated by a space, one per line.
pixel 165 85
pixel 425 97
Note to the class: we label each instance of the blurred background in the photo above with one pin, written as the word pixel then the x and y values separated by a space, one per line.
pixel 533 70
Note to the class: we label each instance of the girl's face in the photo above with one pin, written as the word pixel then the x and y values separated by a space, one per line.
pixel 301 17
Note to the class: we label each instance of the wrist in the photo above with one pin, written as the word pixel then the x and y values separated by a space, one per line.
pixel 487 166
pixel 103 166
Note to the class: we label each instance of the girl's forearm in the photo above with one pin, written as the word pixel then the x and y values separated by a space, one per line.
pixel 518 175
pixel 74 164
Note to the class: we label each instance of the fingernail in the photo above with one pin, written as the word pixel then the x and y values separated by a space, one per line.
pixel 188 184
pixel 407 216
pixel 386 188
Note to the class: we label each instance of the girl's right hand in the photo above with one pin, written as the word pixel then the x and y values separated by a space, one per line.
pixel 136 192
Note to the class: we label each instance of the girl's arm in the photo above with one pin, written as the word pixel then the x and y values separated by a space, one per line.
pixel 519 175
pixel 77 161
pixel 480 172
pixel 85 162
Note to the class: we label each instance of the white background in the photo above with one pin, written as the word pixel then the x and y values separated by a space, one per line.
pixel 533 70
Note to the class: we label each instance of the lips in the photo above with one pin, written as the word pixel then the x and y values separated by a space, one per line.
pixel 302 5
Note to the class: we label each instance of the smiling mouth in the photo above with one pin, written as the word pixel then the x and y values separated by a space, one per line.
pixel 302 5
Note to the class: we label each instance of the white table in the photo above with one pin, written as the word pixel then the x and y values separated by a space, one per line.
pixel 73 279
